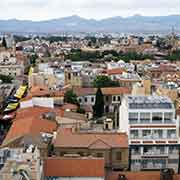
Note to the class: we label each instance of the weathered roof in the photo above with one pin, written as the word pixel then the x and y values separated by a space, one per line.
pixel 67 138
pixel 69 167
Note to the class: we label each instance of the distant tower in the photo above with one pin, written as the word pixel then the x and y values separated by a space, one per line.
pixel 173 38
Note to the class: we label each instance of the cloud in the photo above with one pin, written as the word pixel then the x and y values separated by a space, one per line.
pixel 47 9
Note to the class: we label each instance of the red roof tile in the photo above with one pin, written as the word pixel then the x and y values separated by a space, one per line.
pixel 84 91
pixel 36 111
pixel 116 90
pixel 67 138
pixel 39 91
pixel 29 126
pixel 105 91
pixel 72 107
pixel 61 167
pixel 115 71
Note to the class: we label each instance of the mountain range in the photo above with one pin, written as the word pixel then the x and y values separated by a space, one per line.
pixel 131 24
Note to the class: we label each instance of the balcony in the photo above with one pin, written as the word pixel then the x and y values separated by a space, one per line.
pixel 157 121
pixel 171 136
pixel 169 121
pixel 134 153
pixel 133 121
pixel 145 121
pixel 155 166
pixel 154 153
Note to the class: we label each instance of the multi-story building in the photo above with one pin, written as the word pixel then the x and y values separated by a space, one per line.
pixel 113 147
pixel 73 77
pixel 152 128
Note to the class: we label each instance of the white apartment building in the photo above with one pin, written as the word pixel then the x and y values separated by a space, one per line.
pixel 153 132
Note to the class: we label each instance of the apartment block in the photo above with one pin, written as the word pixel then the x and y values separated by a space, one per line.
pixel 153 134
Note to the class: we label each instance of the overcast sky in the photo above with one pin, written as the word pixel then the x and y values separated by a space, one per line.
pixel 98 9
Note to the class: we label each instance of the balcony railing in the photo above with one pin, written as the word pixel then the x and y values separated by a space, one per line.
pixel 154 136
pixel 155 152
pixel 153 166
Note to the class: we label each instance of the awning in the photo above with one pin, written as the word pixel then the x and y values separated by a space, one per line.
pixel 20 92
pixel 30 71
pixel 11 107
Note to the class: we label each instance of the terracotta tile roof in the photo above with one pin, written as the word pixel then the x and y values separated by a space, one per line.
pixel 61 167
pixel 67 138
pixel 87 108
pixel 115 71
pixel 72 107
pixel 36 111
pixel 115 90
pixel 29 126
pixel 84 91
pixel 105 91
pixel 39 91
pixel 138 175
pixel 57 94
pixel 99 144
pixel 75 116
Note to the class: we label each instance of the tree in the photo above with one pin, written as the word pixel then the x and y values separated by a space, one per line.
pixel 71 97
pixel 174 56
pixel 33 58
pixel 4 43
pixel 104 81
pixel 5 78
pixel 99 104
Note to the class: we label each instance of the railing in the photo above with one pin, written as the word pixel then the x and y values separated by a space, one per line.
pixel 156 137
pixel 153 166
pixel 131 121
pixel 155 153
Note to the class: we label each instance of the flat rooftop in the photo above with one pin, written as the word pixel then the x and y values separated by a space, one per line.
pixel 149 102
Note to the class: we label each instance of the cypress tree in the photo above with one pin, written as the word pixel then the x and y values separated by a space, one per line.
pixel 99 104
pixel 4 44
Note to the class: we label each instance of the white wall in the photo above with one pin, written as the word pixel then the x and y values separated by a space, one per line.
pixel 123 117
pixel 26 104
pixel 44 102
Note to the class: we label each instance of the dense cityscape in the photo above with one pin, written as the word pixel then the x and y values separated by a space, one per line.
pixel 89 104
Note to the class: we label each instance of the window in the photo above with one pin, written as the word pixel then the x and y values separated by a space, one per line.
pixel 133 117
pixel 69 76
pixel 114 98
pixel 107 109
pixel 145 117
pixel 92 99
pixel 85 99
pixel 171 133
pixel 107 98
pixel 136 151
pixel 157 134
pixel 99 154
pixel 147 134
pixel 118 156
pixel 157 117
pixel 168 116
pixel 134 134
pixel 173 150
pixel 119 98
